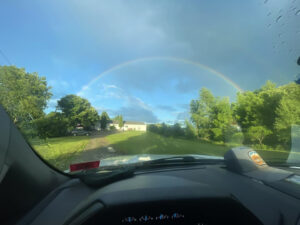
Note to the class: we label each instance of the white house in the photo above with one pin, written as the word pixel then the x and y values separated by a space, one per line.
pixel 130 125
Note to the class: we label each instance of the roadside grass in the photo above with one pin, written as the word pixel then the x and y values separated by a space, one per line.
pixel 136 142
pixel 60 151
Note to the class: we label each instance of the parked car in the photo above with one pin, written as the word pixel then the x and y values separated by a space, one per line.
pixel 80 133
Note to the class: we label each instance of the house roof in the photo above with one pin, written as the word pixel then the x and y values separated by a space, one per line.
pixel 134 123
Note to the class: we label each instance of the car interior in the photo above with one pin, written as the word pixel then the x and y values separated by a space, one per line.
pixel 150 112
pixel 234 191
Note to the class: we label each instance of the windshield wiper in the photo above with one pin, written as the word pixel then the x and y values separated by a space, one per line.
pixel 175 160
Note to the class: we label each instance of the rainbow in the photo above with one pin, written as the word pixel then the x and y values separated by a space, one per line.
pixel 181 60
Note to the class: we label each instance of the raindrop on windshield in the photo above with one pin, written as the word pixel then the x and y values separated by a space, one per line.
pixel 265 1
pixel 269 25
pixel 297 13
pixel 269 14
pixel 278 18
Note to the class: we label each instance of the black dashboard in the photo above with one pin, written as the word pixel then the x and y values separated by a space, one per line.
pixel 203 211
pixel 195 195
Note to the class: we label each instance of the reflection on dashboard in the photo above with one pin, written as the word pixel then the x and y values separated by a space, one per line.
pixel 173 218
pixel 148 219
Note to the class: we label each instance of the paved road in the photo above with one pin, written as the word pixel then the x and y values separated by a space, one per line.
pixel 98 148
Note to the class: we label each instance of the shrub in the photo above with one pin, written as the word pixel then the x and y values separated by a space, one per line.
pixel 112 128
pixel 190 130
pixel 237 138
pixel 52 125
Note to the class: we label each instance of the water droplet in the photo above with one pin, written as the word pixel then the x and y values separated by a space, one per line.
pixel 269 14
pixel 269 25
pixel 297 13
pixel 278 18
pixel 279 35
pixel 265 1
pixel 282 42
pixel 294 8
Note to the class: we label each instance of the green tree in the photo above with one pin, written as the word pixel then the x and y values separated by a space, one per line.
pixel 246 109
pixel 258 108
pixel 258 133
pixel 78 111
pixel 87 118
pixel 221 119
pixel 120 121
pixel 200 110
pixel 153 128
pixel 176 130
pixel 53 124
pixel 211 116
pixel 190 130
pixel 23 95
pixel 271 97
pixel 288 112
pixel 104 119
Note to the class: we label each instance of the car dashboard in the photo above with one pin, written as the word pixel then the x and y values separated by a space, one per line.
pixel 195 195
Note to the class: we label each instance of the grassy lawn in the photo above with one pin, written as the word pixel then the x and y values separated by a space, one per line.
pixel 135 142
pixel 60 151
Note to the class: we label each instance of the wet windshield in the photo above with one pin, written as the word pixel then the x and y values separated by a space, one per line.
pixel 128 81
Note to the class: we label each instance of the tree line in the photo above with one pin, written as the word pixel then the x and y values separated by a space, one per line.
pixel 262 118
pixel 24 96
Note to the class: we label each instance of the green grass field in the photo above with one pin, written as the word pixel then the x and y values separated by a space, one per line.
pixel 59 152
pixel 136 142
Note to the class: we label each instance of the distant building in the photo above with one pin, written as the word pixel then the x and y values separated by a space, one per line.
pixel 128 125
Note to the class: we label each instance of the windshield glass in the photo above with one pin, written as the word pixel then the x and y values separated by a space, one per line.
pixel 128 81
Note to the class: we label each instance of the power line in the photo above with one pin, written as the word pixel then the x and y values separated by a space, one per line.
pixel 4 56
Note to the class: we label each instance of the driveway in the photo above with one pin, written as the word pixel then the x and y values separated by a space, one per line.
pixel 98 148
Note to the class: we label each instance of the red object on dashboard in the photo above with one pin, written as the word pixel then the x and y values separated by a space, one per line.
pixel 84 166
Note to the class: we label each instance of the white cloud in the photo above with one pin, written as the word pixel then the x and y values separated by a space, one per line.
pixel 110 86
pixel 85 87
pixel 130 106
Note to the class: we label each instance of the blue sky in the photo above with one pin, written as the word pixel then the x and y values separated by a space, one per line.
pixel 152 56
